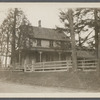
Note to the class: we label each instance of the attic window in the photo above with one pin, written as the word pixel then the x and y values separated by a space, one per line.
pixel 38 42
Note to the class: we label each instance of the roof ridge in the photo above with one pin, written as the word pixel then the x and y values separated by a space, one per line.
pixel 43 27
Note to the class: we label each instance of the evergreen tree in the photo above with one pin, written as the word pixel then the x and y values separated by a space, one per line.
pixel 11 32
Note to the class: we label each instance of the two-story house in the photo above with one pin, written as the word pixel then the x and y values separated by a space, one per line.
pixel 44 44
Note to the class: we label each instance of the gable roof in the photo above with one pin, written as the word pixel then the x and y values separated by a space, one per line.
pixel 47 33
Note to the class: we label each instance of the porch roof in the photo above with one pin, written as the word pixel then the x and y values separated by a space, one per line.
pixel 47 49
pixel 80 53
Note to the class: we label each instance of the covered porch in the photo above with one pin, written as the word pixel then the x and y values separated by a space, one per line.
pixel 33 56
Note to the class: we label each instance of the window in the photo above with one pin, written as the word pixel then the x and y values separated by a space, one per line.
pixel 62 43
pixel 38 42
pixel 51 44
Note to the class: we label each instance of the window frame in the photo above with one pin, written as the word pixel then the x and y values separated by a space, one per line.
pixel 39 42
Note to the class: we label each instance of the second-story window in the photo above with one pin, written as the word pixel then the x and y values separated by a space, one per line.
pixel 51 43
pixel 38 42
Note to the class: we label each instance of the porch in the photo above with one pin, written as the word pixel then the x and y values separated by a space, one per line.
pixel 31 57
pixel 44 60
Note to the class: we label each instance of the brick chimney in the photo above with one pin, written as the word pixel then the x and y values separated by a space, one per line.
pixel 39 23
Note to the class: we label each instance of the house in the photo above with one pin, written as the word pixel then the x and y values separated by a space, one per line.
pixel 42 45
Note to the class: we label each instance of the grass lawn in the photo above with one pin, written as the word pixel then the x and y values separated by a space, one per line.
pixel 80 80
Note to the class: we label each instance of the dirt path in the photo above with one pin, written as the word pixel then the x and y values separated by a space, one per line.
pixel 6 87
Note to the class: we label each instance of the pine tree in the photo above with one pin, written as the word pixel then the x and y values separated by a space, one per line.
pixel 10 31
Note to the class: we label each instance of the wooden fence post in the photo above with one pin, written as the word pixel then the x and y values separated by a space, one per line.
pixel 32 66
pixel 25 66
pixel 43 65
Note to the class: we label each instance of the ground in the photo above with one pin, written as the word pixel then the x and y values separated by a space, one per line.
pixel 7 87
pixel 52 82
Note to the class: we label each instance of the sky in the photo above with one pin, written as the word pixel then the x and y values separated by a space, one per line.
pixel 48 13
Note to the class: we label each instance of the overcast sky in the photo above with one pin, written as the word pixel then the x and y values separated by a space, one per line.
pixel 48 13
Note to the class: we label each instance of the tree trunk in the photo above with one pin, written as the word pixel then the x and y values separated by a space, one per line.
pixel 98 65
pixel 7 50
pixel 79 40
pixel 74 58
pixel 97 40
pixel 96 31
pixel 13 39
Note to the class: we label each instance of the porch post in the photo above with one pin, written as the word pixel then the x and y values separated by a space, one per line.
pixel 59 56
pixel 40 55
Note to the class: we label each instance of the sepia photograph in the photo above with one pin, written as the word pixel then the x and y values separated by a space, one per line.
pixel 49 48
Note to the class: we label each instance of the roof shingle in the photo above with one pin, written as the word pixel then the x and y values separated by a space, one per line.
pixel 47 33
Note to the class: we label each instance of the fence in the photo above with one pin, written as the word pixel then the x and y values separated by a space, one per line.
pixel 54 66
pixel 85 65
pixel 49 66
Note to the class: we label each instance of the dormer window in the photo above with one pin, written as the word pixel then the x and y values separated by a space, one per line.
pixel 38 42
pixel 51 43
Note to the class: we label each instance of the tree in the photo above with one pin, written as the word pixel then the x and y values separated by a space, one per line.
pixel 94 23
pixel 70 19
pixel 85 19
pixel 10 30
pixel 96 28
pixel 86 22
pixel 67 19
pixel 13 38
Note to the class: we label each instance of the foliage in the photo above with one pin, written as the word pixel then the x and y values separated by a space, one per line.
pixel 10 33
pixel 84 25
